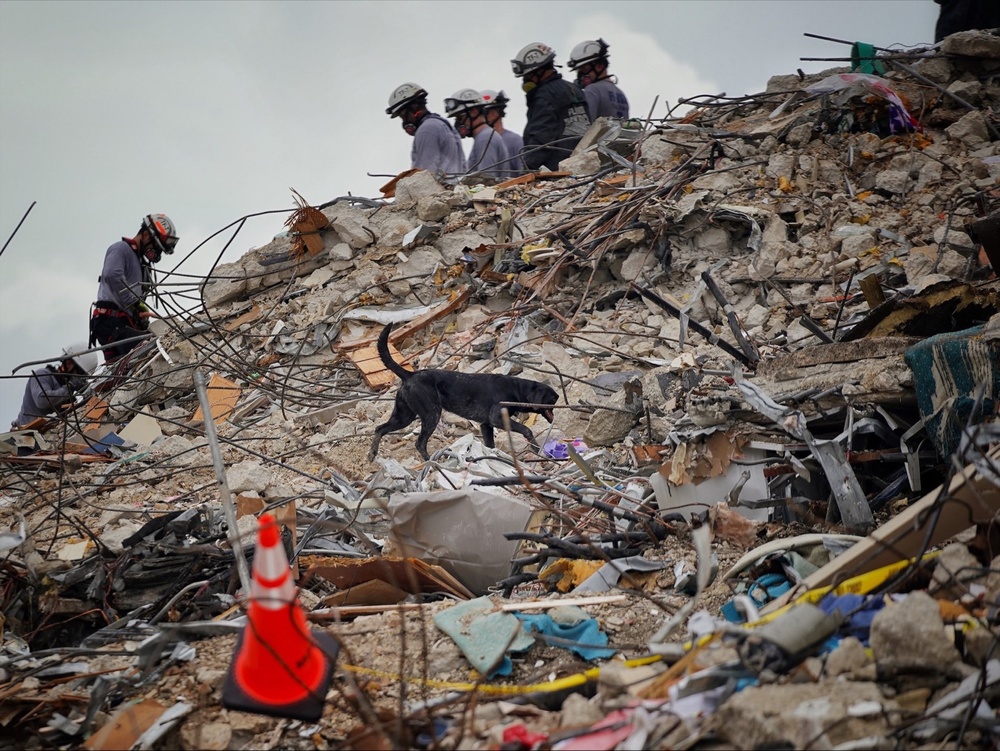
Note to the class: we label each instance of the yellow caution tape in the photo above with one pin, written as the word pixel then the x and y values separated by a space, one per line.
pixel 861 584
pixel 857 585
pixel 559 684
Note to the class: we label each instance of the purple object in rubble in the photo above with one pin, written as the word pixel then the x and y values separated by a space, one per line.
pixel 556 448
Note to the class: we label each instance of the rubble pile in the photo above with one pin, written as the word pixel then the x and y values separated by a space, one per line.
pixel 765 513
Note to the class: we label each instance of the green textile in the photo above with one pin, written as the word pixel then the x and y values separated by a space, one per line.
pixel 947 371
pixel 863 59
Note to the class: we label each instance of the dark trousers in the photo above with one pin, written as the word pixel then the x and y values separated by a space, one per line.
pixel 962 15
pixel 109 329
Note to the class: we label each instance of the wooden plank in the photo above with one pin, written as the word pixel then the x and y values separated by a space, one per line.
pixel 397 335
pixel 49 459
pixel 125 727
pixel 39 424
pixel 223 395
pixel 457 301
pixel 389 189
pixel 251 315
pixel 971 499
pixel 515 181
pixel 95 409
pixel 376 375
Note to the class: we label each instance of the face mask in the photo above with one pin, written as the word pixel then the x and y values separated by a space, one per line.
pixel 528 86
pixel 410 128
pixel 463 129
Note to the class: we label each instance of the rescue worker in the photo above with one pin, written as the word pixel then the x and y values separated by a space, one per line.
pixel 126 278
pixel 963 15
pixel 52 389
pixel 436 146
pixel 488 158
pixel 496 108
pixel 557 109
pixel 589 60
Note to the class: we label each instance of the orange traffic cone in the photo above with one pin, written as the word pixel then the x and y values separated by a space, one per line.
pixel 280 669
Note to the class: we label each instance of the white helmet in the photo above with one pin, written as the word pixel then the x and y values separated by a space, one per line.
pixel 536 55
pixel 85 361
pixel 588 52
pixel 462 101
pixel 494 100
pixel 163 232
pixel 403 95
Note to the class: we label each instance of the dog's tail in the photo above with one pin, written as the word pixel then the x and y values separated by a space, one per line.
pixel 386 357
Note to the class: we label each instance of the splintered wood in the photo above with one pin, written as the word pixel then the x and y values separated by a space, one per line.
pixel 372 370
pixel 305 225
pixel 223 395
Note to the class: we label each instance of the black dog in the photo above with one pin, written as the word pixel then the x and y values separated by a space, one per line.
pixel 475 396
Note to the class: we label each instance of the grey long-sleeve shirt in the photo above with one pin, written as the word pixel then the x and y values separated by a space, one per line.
pixel 489 155
pixel 43 393
pixel 121 276
pixel 605 99
pixel 514 143
pixel 437 147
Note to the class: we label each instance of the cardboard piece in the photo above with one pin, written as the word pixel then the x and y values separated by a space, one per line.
pixel 460 530
pixel 373 592
pixel 223 395
pixel 143 429
pixel 74 550
pixel 410 575
pixel 124 728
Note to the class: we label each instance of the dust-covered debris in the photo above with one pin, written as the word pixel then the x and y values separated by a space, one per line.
pixel 770 321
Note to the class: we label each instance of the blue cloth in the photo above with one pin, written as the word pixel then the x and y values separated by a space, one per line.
pixel 605 99
pixel 859 611
pixel 590 640
pixel 437 147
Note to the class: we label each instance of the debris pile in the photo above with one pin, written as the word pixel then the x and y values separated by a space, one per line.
pixel 765 512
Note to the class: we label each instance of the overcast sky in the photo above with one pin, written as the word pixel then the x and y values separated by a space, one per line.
pixel 208 111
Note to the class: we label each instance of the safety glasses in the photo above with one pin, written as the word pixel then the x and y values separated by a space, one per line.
pixel 451 105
